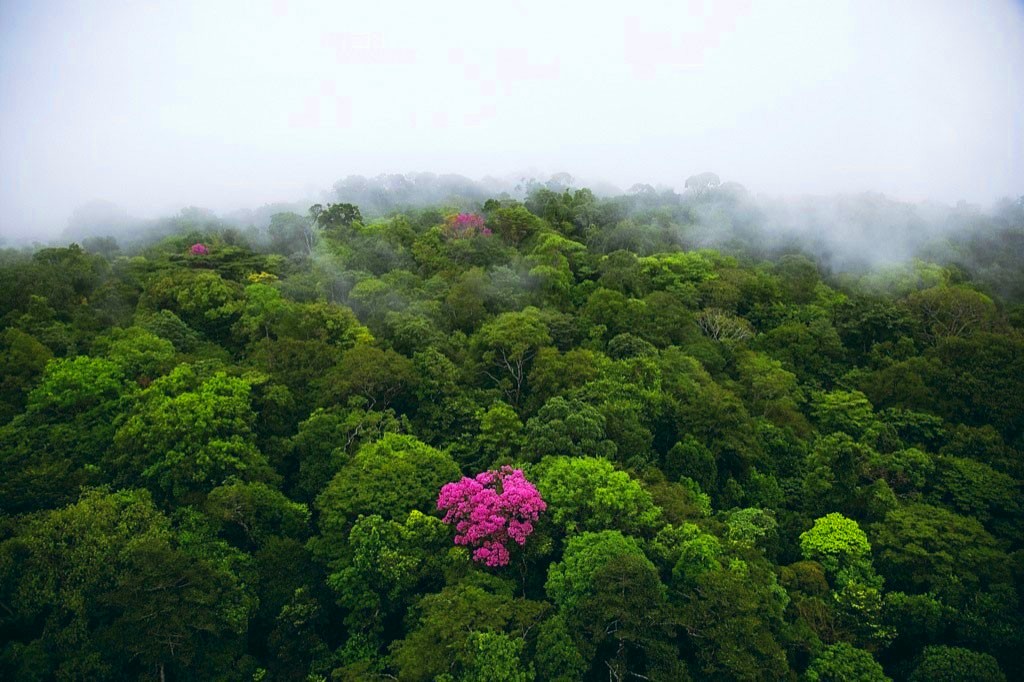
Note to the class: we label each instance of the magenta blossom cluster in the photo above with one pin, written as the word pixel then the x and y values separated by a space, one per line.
pixel 489 510
pixel 198 250
pixel 463 225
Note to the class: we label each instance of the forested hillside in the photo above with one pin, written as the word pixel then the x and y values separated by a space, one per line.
pixel 656 436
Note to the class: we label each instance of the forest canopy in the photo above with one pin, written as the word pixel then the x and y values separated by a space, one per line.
pixel 467 436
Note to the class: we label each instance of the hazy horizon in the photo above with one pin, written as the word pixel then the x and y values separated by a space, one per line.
pixel 234 105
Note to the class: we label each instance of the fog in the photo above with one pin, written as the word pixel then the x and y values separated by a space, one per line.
pixel 151 107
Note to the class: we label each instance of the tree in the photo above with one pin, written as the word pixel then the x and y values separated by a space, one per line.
pixel 841 662
pixel 836 542
pixel 567 427
pixel 558 658
pixel 390 478
pixel 702 183
pixel 291 233
pixel 733 620
pixel 506 345
pixel 188 432
pixel 949 663
pixel 105 588
pixel 798 277
pixel 385 564
pixel 588 494
pixel 979 491
pixel 722 326
pixel 832 472
pixel 251 513
pixel 380 377
pixel 748 527
pixel 203 299
pixel 812 350
pixel 626 619
pixel 842 548
pixel 555 374
pixel 167 325
pixel 445 629
pixel 494 657
pixel 328 438
pixel 571 581
pixel 21 362
pixel 847 411
pixel 141 354
pixel 952 311
pixel 491 509
pixel 335 218
pixel 921 547
pixel 689 458
pixel 770 390
pixel 501 434
pixel 58 443
pixel 611 312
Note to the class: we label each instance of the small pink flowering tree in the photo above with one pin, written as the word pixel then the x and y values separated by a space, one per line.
pixel 198 250
pixel 489 510
pixel 462 225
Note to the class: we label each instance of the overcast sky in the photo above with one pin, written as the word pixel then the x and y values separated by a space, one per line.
pixel 157 105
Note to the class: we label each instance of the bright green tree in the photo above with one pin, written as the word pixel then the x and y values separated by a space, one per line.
pixel 589 494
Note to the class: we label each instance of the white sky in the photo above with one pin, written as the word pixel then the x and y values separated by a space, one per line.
pixel 157 105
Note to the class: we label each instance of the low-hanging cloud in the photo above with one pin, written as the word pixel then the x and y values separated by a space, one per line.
pixel 230 105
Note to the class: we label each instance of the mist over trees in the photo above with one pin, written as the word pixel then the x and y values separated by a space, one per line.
pixel 423 430
pixel 844 234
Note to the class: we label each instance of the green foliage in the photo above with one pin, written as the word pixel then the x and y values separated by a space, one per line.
pixel 189 431
pixel 748 527
pixel 56 446
pixel 840 662
pixel 589 494
pixel 691 553
pixel 836 542
pixel 141 354
pixel 446 632
pixel 691 459
pixel 389 477
pixel 734 621
pixel 76 385
pixel 21 362
pixel 167 325
pixel 514 224
pixel 952 311
pixel 507 344
pixel 240 481
pixel 558 658
pixel 494 657
pixel 977 490
pixel 329 437
pixel 567 427
pixel 571 581
pixel 105 588
pixel 921 547
pixel 385 563
pixel 254 512
pixel 948 663
pixel 626 618
pixel 832 471
pixel 203 299
pixel 770 390
pixel 501 434
pixel 845 411
pixel 380 377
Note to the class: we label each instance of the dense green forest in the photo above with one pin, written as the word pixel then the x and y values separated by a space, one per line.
pixel 760 458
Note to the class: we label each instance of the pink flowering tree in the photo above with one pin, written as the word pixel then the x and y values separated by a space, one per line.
pixel 462 225
pixel 489 510
pixel 198 250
